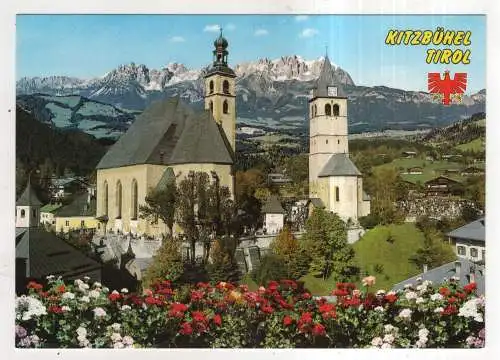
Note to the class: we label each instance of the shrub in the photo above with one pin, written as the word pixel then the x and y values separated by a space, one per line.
pixel 271 267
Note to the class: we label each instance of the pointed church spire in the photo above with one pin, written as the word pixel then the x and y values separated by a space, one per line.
pixel 220 56
pixel 327 79
pixel 28 197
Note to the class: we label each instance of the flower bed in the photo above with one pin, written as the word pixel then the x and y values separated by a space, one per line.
pixel 280 316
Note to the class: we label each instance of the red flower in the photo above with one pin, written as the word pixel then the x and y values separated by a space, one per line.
pixel 340 292
pixel 203 285
pixel 452 300
pixel 460 295
pixel 61 288
pixel 196 295
pixel 470 287
pixel 44 294
pixel 55 309
pixel 243 288
pixel 391 298
pixel 318 330
pixel 267 309
pixel 306 318
pixel 114 296
pixel 198 316
pixel 306 296
pixel 34 285
pixel 136 300
pixel 152 301
pixel 287 320
pixel 289 284
pixel 186 329
pixel 449 310
pixel 166 292
pixel 326 308
pixel 217 319
pixel 444 291
pixel 177 310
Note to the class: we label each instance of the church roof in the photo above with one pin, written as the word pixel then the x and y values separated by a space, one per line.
pixel 272 206
pixel 169 132
pixel 28 197
pixel 78 207
pixel 327 78
pixel 47 254
pixel 167 177
pixel 339 165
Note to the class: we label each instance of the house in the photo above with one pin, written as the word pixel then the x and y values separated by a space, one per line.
pixel 472 171
pixel 333 178
pixel 469 240
pixel 409 154
pixel 278 179
pixel 465 270
pixel 64 187
pixel 40 253
pixel 274 215
pixel 170 136
pixel 440 185
pixel 47 216
pixel 79 214
pixel 451 171
pixel 416 170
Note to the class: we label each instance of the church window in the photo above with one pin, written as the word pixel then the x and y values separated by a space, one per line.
pixel 23 213
pixel 225 87
pixel 211 107
pixel 315 109
pixel 105 198
pixel 211 86
pixel 328 109
pixel 119 200
pixel 337 193
pixel 338 142
pixel 67 222
pixel 134 200
pixel 82 223
pixel 33 212
pixel 225 107
pixel 336 110
pixel 327 141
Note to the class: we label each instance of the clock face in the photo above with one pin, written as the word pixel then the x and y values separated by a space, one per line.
pixel 332 91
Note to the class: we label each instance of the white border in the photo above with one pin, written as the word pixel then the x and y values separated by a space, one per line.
pixel 7 156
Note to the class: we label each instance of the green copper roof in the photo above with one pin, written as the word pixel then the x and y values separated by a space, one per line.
pixel 50 208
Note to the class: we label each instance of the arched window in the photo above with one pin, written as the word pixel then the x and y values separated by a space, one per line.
pixel 211 107
pixel 315 110
pixel 33 213
pixel 328 109
pixel 105 199
pixel 118 200
pixel 134 200
pixel 327 141
pixel 225 107
pixel 211 86
pixel 23 213
pixel 335 110
pixel 225 87
pixel 337 193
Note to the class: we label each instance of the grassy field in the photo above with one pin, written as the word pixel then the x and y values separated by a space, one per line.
pixel 430 169
pixel 476 145
pixel 373 249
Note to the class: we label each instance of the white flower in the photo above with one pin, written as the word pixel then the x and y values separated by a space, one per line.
pixel 50 277
pixel 105 289
pixel 407 286
pixel 116 327
pixel 65 308
pixel 420 300
pixel 127 340
pixel 478 318
pixel 405 313
pixel 411 295
pixel 81 331
pixel 28 307
pixel 388 328
pixel 99 312
pixel 97 284
pixel 470 340
pixel 83 287
pixel 78 282
pixel 94 294
pixel 377 341
pixel 124 290
pixel 386 346
pixel 470 309
pixel 420 343
pixel 438 310
pixel 115 337
pixel 380 292
pixel 68 296
pixel 83 341
pixel 423 333
pixel 455 278
pixel 389 338
pixel 427 283
pixel 86 278
pixel 391 293
pixel 118 345
pixel 85 299
pixel 379 309
pixel 126 307
pixel 436 297
pixel 419 279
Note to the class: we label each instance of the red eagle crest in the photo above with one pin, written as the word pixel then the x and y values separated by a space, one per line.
pixel 447 86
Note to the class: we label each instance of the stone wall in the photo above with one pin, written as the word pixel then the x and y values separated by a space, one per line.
pixel 434 207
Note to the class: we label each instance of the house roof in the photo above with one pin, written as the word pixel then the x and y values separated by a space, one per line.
pixel 339 165
pixel 47 254
pixel 317 202
pixel 448 270
pixel 272 206
pixel 472 231
pixel 49 208
pixel 78 207
pixel 436 179
pixel 28 197
pixel 169 132
pixel 327 78
pixel 167 177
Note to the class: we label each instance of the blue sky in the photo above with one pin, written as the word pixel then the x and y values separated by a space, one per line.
pixel 91 45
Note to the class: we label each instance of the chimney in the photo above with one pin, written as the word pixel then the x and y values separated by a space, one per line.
pixel 458 267
pixel 426 268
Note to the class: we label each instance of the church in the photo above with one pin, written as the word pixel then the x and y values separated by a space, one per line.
pixel 334 181
pixel 166 142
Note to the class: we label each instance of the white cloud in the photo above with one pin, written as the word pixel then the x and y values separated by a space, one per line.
pixel 309 32
pixel 301 17
pixel 177 39
pixel 230 27
pixel 261 32
pixel 212 28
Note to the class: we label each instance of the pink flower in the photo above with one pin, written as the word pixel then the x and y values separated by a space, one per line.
pixel 369 281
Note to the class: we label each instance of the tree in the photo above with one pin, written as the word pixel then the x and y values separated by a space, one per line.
pixel 160 204
pixel 287 247
pixel 167 264
pixel 272 267
pixel 434 252
pixel 326 243
pixel 223 266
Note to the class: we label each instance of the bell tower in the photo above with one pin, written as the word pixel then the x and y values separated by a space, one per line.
pixel 327 123
pixel 220 91
pixel 28 208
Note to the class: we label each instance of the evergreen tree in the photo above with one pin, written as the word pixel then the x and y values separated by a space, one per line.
pixel 167 264
pixel 287 247
pixel 223 266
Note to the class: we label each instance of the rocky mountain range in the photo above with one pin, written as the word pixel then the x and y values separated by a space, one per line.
pixel 270 93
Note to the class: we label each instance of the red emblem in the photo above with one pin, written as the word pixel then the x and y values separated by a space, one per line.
pixel 447 86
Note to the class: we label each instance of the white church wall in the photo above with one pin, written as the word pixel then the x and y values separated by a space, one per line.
pixel 347 206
